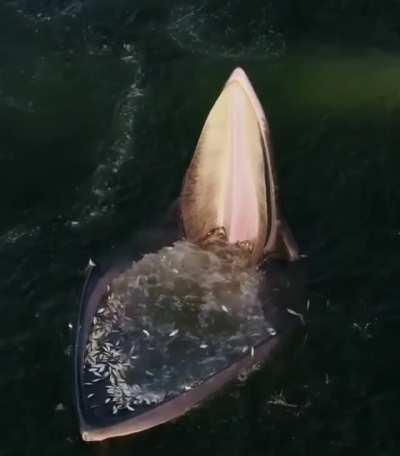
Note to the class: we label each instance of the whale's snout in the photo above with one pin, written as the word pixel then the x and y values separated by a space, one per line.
pixel 229 192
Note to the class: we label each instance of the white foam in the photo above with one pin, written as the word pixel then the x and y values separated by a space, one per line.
pixel 206 33
pixel 174 318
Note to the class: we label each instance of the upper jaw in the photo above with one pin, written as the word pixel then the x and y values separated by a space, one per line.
pixel 229 192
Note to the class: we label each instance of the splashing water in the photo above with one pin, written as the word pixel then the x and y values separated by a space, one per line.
pixel 173 319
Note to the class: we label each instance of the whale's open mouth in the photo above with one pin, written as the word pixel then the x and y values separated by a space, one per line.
pixel 229 191
pixel 157 337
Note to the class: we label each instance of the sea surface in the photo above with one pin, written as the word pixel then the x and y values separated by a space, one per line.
pixel 101 105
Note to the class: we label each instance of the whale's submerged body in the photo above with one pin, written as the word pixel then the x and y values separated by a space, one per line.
pixel 159 335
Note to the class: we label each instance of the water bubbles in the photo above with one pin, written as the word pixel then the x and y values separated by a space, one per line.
pixel 173 319
pixel 220 31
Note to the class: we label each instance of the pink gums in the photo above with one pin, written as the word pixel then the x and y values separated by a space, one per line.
pixel 242 208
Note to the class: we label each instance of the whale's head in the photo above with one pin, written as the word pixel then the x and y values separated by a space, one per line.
pixel 229 193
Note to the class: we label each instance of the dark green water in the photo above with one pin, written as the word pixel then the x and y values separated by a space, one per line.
pixel 101 104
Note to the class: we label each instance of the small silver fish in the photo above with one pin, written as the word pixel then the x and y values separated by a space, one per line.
pixel 296 314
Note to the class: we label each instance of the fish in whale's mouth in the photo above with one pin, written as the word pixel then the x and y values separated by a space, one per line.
pixel 229 193
pixel 171 320
pixel 160 336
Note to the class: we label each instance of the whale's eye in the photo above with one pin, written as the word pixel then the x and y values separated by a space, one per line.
pixel 216 234
pixel 247 246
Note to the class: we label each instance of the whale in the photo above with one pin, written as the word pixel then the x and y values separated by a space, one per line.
pixel 199 302
pixel 230 189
